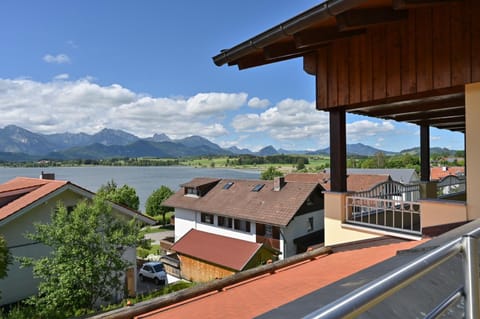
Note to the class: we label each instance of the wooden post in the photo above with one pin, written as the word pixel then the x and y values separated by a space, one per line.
pixel 424 153
pixel 338 151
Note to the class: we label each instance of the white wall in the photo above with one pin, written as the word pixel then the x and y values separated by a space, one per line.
pixel 298 227
pixel 187 219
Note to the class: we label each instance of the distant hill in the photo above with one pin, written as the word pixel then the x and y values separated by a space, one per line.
pixel 355 149
pixel 18 144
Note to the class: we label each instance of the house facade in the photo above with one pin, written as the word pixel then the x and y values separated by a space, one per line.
pixel 283 215
pixel 25 201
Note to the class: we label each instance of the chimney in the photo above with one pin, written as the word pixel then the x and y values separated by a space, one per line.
pixel 50 176
pixel 278 183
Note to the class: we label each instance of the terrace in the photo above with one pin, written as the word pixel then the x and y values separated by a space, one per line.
pixel 397 208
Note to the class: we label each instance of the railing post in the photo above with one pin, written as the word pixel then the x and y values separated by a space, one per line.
pixel 471 270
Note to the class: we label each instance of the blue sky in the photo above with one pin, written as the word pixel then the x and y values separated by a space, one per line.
pixel 146 67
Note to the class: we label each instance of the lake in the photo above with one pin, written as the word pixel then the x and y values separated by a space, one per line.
pixel 144 179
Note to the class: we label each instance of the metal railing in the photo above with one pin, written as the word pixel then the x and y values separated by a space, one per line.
pixel 392 190
pixel 366 297
pixel 451 184
pixel 387 214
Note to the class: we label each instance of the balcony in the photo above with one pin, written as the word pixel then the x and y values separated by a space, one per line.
pixel 407 209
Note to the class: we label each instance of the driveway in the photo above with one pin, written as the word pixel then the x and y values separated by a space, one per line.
pixel 156 237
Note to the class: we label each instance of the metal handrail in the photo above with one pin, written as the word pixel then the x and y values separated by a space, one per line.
pixel 364 298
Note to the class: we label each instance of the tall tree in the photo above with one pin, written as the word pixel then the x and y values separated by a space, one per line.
pixel 5 258
pixel 85 267
pixel 270 173
pixel 124 195
pixel 154 207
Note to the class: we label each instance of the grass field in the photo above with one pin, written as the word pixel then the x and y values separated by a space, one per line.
pixel 316 163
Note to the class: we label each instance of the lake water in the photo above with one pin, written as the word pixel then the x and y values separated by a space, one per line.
pixel 144 179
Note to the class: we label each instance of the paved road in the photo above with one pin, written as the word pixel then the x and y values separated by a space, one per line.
pixel 156 237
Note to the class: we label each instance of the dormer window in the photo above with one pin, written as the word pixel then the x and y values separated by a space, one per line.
pixel 192 191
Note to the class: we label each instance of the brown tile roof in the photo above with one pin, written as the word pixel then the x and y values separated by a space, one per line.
pixel 33 189
pixel 239 201
pixel 199 181
pixel 262 294
pixel 355 182
pixel 440 172
pixel 220 250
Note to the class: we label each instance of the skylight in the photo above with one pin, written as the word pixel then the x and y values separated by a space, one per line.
pixel 258 187
pixel 227 185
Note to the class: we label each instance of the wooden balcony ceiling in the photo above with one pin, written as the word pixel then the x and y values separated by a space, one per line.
pixel 318 29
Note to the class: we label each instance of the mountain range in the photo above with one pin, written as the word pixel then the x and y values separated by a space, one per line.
pixel 19 144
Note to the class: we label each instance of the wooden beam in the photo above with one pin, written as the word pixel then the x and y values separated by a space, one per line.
pixel 408 4
pixel 338 151
pixel 283 50
pixel 422 115
pixel 409 107
pixel 361 18
pixel 320 36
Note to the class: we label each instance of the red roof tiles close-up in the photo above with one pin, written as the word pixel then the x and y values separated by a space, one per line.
pixel 224 251
pixel 261 294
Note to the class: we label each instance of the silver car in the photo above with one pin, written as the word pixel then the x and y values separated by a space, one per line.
pixel 154 271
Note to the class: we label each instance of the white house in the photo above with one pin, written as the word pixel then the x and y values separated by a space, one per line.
pixel 287 216
pixel 25 201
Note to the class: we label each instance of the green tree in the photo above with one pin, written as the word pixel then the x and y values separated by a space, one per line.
pixel 270 173
pixel 5 258
pixel 154 207
pixel 300 163
pixel 85 266
pixel 124 195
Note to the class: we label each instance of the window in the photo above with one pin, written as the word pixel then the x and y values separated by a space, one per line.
pixel 191 191
pixel 257 187
pixel 206 218
pixel 243 225
pixel 268 231
pixel 225 222
pixel 310 224
pixel 227 185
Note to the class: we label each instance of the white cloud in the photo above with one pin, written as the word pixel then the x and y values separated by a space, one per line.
pixel 289 119
pixel 360 130
pixel 57 59
pixel 61 77
pixel 213 103
pixel 83 106
pixel 257 103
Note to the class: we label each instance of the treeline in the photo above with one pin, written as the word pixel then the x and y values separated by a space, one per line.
pixel 100 162
pixel 270 159
pixel 406 160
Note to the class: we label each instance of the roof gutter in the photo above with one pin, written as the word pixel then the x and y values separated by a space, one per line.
pixel 320 12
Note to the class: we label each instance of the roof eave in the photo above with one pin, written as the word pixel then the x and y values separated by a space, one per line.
pixel 299 22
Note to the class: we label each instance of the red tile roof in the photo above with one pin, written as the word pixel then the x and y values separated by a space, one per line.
pixel 33 189
pixel 437 173
pixel 239 201
pixel 220 250
pixel 355 182
pixel 25 191
pixel 257 296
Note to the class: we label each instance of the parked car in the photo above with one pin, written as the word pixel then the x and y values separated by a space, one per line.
pixel 153 271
